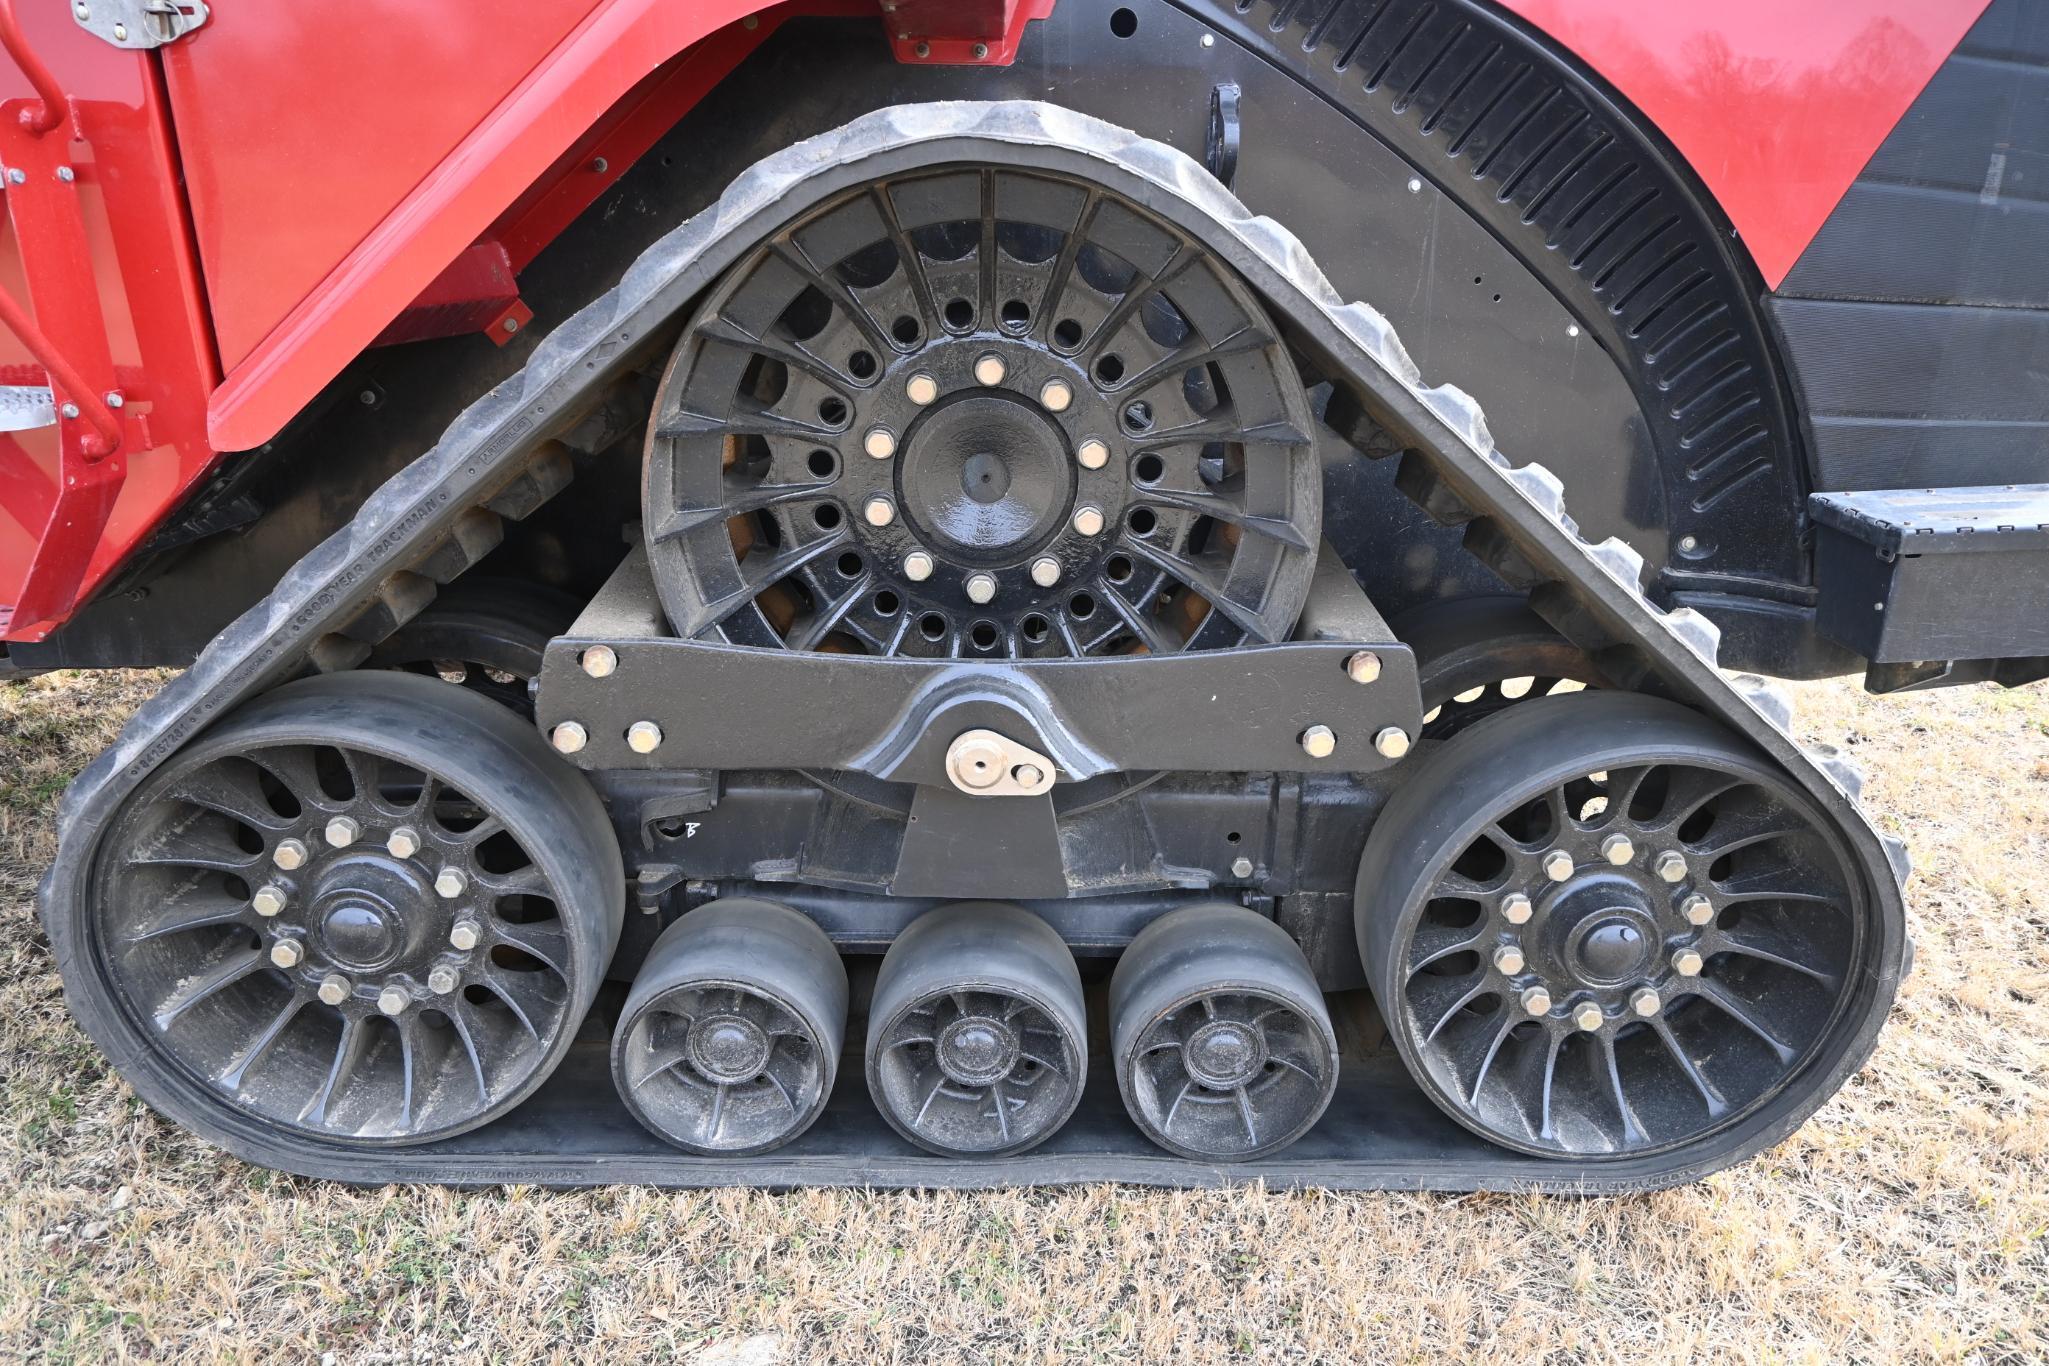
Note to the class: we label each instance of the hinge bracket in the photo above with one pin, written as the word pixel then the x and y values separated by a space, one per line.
pixel 139 23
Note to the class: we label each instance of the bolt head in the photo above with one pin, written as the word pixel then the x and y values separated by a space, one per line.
pixel 1558 865
pixel 981 51
pixel 600 661
pixel 880 443
pixel 1516 909
pixel 1088 520
pixel 343 831
pixel 921 389
pixel 917 566
pixel 1055 395
pixel 403 842
pixel 82 10
pixel 114 399
pixel 1029 775
pixel 287 953
pixel 450 883
pixel 393 1000
pixel 1393 742
pixel 120 33
pixel 1045 571
pixel 1589 1017
pixel 1241 867
pixel 442 980
pixel 981 588
pixel 465 935
pixel 1209 40
pixel 1645 1002
pixel 69 410
pixel 289 854
pixel 1508 959
pixel 15 175
pixel 1536 1001
pixel 1363 667
pixel 1618 850
pixel 989 369
pixel 66 174
pixel 1697 909
pixel 1092 454
pixel 335 988
pixel 879 512
pixel 643 737
pixel 1319 742
pixel 1670 866
pixel 268 900
pixel 1687 962
pixel 569 737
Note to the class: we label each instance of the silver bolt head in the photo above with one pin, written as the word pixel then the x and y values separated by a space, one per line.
pixel 1393 742
pixel 600 661
pixel 442 980
pixel 1508 959
pixel 66 174
pixel 268 900
pixel 1687 962
pixel 1363 667
pixel 569 737
pixel 82 10
pixel 643 737
pixel 990 369
pixel 450 883
pixel 1589 1017
pixel 465 935
pixel 1092 454
pixel 1241 867
pixel 393 1000
pixel 981 588
pixel 1646 1002
pixel 287 953
pixel 335 988
pixel 1697 909
pixel 1055 395
pixel 69 410
pixel 114 399
pixel 1045 571
pixel 1516 909
pixel 1558 865
pixel 1670 866
pixel 880 442
pixel 403 842
pixel 879 512
pixel 1319 742
pixel 1029 775
pixel 1536 1001
pixel 289 854
pixel 921 389
pixel 120 33
pixel 343 831
pixel 918 566
pixel 1618 850
pixel 15 175
pixel 1088 520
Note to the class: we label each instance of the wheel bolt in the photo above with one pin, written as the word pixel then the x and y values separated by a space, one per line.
pixel 1508 960
pixel 1536 1001
pixel 1092 454
pixel 643 737
pixel 1670 866
pixel 1045 571
pixel 1088 520
pixel 1558 865
pixel 343 831
pixel 981 588
pixel 879 512
pixel 989 369
pixel 1363 667
pixel 569 737
pixel 1392 742
pixel 1319 742
pixel 1697 909
pixel 600 660
pixel 451 883
pixel 442 980
pixel 269 900
pixel 393 1000
pixel 1618 850
pixel 1645 1002
pixel 1241 867
pixel 917 566
pixel 465 935
pixel 921 388
pixel 880 443
pixel 335 988
pixel 1516 909
pixel 1687 962
pixel 1055 396
pixel 404 842
pixel 289 854
pixel 1588 1017
pixel 287 953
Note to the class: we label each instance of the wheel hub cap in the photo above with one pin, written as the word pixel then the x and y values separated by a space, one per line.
pixel 728 1048
pixel 986 478
pixel 1602 931
pixel 977 1050
pixel 1224 1054
pixel 360 919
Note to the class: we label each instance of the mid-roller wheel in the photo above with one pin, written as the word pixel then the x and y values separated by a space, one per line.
pixel 1223 1047
pixel 977 1036
pixel 730 1040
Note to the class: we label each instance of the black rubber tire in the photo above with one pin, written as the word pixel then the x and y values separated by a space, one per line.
pixel 500 626
pixel 1480 643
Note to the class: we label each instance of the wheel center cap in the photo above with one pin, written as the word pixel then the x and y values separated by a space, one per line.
pixel 728 1048
pixel 976 1050
pixel 985 477
pixel 359 933
pixel 367 909
pixel 1224 1054
pixel 1610 946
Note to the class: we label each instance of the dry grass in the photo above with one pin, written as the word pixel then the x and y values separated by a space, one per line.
pixel 1907 1220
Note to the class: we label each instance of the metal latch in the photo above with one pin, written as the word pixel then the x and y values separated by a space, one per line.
pixel 139 23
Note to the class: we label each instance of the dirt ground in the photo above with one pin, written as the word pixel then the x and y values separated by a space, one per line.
pixel 1908 1220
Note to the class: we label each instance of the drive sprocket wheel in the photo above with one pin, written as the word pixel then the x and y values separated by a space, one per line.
pixel 982 412
pixel 370 908
pixel 1646 940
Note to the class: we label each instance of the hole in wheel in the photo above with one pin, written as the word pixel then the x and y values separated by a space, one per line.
pixel 1109 369
pixel 827 516
pixel 833 411
pixel 861 365
pixel 906 330
pixel 984 635
pixel 932 626
pixel 1016 315
pixel 1067 335
pixel 850 565
pixel 1141 521
pixel 822 464
pixel 959 314
pixel 1148 468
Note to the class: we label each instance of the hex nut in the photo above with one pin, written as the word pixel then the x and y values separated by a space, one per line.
pixel 600 661
pixel 393 1000
pixel 451 883
pixel 1319 742
pixel 289 854
pixel 879 511
pixel 1536 1001
pixel 879 443
pixel 1392 743
pixel 1363 667
pixel 1646 1002
pixel 990 369
pixel 1054 396
pixel 1670 866
pixel 1092 454
pixel 343 831
pixel 1241 867
pixel 1088 520
pixel 1697 909
pixel 918 566
pixel 287 953
pixel 1045 571
pixel 1516 909
pixel 1618 850
pixel 643 737
pixel 568 737
pixel 403 842
pixel 921 389
pixel 1508 960
pixel 335 988
pixel 268 900
pixel 1589 1017
pixel 465 935
pixel 1558 865
pixel 442 980
pixel 1688 962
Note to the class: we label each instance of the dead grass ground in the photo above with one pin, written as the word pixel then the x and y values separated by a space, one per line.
pixel 1907 1220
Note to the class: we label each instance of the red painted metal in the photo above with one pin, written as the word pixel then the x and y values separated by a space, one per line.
pixel 50 107
pixel 477 293
pixel 959 32
pixel 1777 106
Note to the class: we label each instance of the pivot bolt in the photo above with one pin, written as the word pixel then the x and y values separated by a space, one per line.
pixel 1045 571
pixel 268 901
pixel 1536 1001
pixel 1092 454
pixel 465 935
pixel 643 737
pixel 1618 850
pixel 1508 960
pixel 1588 1017
pixel 921 388
pixel 1241 867
pixel 879 511
pixel 880 443
pixel 404 842
pixel 442 980
pixel 1363 667
pixel 451 883
pixel 287 953
pixel 1687 962
pixel 1697 909
pixel 1319 742
pixel 289 854
pixel 981 588
pixel 335 988
pixel 1028 775
pixel 917 566
pixel 393 1000
pixel 989 369
pixel 1670 866
pixel 1645 1002
pixel 1516 909
pixel 600 661
pixel 1054 396
pixel 1558 865
pixel 343 831
pixel 1088 520
pixel 569 737
pixel 1392 742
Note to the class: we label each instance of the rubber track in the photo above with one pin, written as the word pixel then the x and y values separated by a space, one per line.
pixel 440 514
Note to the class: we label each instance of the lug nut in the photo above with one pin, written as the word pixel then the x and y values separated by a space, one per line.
pixel 569 737
pixel 880 443
pixel 1045 571
pixel 1645 1002
pixel 1092 454
pixel 1241 867
pixel 403 843
pixel 1363 667
pixel 917 566
pixel 1508 960
pixel 335 988
pixel 643 737
pixel 989 369
pixel 268 901
pixel 599 661
pixel 1392 742
pixel 442 980
pixel 1088 520
pixel 1558 865
pixel 393 1000
pixel 1054 396
pixel 1536 1001
pixel 1670 866
pixel 343 831
pixel 1588 1017
pixel 451 883
pixel 1319 742
pixel 981 588
pixel 1516 909
pixel 1618 850
pixel 879 512
pixel 921 388
pixel 289 854
pixel 465 935
pixel 287 953
pixel 1687 962
pixel 1697 909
